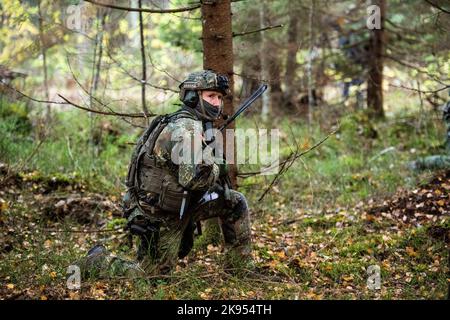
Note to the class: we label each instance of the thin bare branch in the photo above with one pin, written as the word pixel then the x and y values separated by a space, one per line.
pixel 238 34
pixel 125 71
pixel 24 95
pixel 118 114
pixel 118 230
pixel 289 161
pixel 148 10
pixel 420 91
pixel 418 69
pixel 435 5
pixel 162 70
pixel 95 98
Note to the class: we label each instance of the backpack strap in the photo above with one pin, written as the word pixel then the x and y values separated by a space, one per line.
pixel 132 167
pixel 146 144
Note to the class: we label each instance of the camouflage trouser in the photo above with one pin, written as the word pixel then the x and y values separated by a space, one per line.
pixel 175 238
pixel 437 162
pixel 99 263
pixel 171 238
pixel 431 162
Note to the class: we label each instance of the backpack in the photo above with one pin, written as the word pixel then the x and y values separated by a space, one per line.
pixel 145 176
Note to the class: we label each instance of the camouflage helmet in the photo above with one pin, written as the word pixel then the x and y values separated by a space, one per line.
pixel 204 80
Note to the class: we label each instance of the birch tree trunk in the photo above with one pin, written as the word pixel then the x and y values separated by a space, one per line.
pixel 44 60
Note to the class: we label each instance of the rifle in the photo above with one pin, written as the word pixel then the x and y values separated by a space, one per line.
pixel 244 106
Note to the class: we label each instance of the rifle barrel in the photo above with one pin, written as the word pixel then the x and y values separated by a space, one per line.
pixel 255 95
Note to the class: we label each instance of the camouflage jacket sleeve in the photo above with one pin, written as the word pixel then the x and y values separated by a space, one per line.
pixel 181 144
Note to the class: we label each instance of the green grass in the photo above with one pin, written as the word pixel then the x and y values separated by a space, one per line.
pixel 328 245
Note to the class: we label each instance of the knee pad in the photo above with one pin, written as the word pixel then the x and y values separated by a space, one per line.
pixel 240 206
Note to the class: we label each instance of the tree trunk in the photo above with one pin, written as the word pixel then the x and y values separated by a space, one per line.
pixel 311 101
pixel 95 78
pixel 98 53
pixel 144 65
pixel 133 20
pixel 276 94
pixel 218 52
pixel 291 59
pixel 251 68
pixel 267 97
pixel 217 38
pixel 375 76
pixel 44 61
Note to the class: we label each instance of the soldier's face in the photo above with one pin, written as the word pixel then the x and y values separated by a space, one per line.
pixel 213 97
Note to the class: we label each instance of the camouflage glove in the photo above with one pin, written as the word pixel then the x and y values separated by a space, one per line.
pixel 226 184
pixel 223 169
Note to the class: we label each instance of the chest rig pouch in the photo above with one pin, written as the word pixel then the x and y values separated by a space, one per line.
pixel 160 185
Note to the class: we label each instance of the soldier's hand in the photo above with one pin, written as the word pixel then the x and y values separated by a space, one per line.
pixel 223 169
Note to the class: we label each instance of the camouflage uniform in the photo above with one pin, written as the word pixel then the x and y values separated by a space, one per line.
pixel 175 234
pixel 168 237
pixel 436 162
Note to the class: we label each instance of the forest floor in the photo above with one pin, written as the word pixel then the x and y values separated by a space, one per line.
pixel 47 222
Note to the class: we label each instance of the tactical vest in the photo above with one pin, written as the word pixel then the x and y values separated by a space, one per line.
pixel 146 180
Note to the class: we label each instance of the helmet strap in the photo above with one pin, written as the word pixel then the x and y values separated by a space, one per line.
pixel 221 107
pixel 202 107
